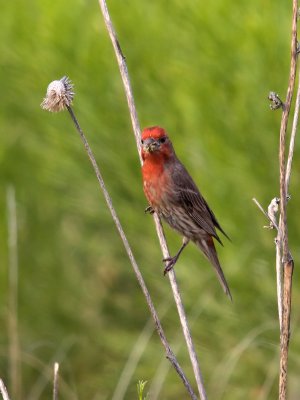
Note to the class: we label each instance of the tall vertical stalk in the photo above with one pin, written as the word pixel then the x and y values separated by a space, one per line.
pixel 162 240
pixel 284 260
pixel 282 237
pixel 13 335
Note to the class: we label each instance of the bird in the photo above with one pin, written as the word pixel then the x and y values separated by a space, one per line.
pixel 174 196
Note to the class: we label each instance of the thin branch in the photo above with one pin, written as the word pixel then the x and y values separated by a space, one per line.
pixel 285 332
pixel 13 334
pixel 181 312
pixel 163 368
pixel 283 132
pixel 125 75
pixel 163 244
pixel 282 236
pixel 55 381
pixel 44 372
pixel 293 135
pixel 3 390
pixel 170 355
pixel 284 261
pixel 279 282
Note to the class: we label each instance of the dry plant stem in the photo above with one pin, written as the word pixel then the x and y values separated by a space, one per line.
pixel 136 128
pixel 283 132
pixel 292 139
pixel 282 236
pixel 289 266
pixel 124 73
pixel 285 332
pixel 169 352
pixel 181 311
pixel 14 351
pixel 162 368
pixel 284 261
pixel 279 282
pixel 55 381
pixel 3 391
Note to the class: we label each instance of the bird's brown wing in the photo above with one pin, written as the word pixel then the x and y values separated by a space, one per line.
pixel 194 203
pixel 196 207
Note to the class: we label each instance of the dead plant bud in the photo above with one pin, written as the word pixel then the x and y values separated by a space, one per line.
pixel 59 95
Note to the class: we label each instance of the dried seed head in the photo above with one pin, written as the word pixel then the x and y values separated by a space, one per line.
pixel 59 95
pixel 275 101
pixel 272 211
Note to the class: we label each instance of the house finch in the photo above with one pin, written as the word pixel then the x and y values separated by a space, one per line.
pixel 174 196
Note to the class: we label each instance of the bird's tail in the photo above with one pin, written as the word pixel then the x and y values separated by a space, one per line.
pixel 208 248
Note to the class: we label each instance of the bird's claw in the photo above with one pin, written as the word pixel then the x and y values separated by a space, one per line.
pixel 170 262
pixel 149 210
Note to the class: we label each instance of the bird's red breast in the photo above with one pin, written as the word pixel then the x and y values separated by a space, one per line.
pixel 155 182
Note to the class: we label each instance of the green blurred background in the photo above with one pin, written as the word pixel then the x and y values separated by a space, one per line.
pixel 202 70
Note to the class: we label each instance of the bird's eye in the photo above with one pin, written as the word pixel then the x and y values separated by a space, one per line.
pixel 142 141
pixel 162 140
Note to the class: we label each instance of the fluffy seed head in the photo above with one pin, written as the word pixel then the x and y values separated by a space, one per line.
pixel 59 95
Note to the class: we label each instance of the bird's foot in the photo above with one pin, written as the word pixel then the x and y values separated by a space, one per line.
pixel 170 262
pixel 149 210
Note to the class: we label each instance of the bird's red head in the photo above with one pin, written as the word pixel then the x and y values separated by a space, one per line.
pixel 156 143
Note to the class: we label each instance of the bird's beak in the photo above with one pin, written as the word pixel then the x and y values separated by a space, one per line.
pixel 150 145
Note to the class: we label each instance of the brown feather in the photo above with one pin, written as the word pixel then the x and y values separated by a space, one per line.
pixel 208 248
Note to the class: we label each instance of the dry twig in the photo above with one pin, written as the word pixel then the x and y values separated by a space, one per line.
pixel 55 381
pixel 50 104
pixel 13 331
pixel 287 261
pixel 292 139
pixel 162 240
pixel 284 260
pixel 3 390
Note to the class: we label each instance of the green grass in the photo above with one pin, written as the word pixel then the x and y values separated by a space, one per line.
pixel 203 71
pixel 140 390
